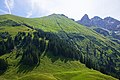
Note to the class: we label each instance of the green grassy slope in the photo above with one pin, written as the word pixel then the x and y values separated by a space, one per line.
pixel 49 69
pixel 56 22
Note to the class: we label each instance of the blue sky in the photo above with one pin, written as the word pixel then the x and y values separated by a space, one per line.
pixel 71 8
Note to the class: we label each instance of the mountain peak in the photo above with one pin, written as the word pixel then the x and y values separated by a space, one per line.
pixel 108 23
pixel 85 20
pixel 96 18
pixel 57 16
pixel 85 16
pixel 110 19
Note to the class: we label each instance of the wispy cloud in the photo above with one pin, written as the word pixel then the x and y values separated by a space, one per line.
pixel 9 4
pixel 29 13
pixel 40 7
pixel 3 11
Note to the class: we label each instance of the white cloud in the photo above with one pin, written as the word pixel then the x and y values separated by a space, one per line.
pixel 9 5
pixel 41 7
pixel 71 8
pixel 77 8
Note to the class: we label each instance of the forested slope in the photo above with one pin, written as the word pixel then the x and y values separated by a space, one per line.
pixel 25 44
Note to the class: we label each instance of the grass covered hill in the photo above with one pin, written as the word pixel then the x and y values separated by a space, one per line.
pixel 55 47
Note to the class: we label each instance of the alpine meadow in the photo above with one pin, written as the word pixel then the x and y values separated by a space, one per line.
pixel 55 47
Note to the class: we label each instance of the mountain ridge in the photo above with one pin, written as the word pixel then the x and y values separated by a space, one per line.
pixel 107 23
pixel 60 39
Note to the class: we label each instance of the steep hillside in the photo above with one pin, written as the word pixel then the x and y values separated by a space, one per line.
pixel 54 47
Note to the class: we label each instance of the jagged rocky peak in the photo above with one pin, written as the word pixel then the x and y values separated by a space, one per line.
pixel 109 18
pixel 85 20
pixel 96 18
pixel 85 17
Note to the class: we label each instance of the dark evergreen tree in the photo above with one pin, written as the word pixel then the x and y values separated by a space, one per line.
pixel 3 66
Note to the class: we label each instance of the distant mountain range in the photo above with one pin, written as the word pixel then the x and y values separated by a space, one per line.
pixel 107 23
pixel 107 26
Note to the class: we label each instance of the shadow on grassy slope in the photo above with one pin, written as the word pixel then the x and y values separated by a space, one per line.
pixel 3 66
pixel 25 68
